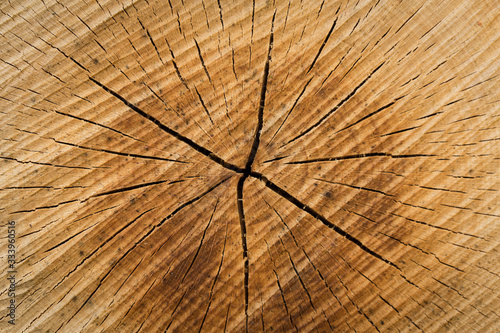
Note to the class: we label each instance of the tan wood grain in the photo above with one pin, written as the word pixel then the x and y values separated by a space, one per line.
pixel 247 166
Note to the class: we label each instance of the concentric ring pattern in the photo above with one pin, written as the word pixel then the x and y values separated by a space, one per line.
pixel 247 166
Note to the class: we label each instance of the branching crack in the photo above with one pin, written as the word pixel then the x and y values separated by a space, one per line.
pixel 248 169
pixel 246 172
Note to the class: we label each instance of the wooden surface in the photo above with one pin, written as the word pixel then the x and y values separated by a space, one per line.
pixel 185 166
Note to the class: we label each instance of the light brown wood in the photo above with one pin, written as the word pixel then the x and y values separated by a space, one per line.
pixel 213 165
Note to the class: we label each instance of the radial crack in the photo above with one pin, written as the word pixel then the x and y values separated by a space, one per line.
pixel 323 45
pixel 172 132
pixel 44 163
pixel 148 233
pixel 248 168
pixel 298 276
pixel 220 14
pixel 204 106
pixel 280 288
pixel 291 109
pixel 199 246
pixel 241 213
pixel 357 156
pixel 342 102
pixel 202 61
pixel 262 104
pixel 130 188
pixel 107 241
pixel 119 153
pixel 215 280
pixel 94 123
pixel 308 209
pixel 177 71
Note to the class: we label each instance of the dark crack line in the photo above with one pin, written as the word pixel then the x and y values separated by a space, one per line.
pixel 65 55
pixel 133 187
pixel 126 279
pixel 108 151
pixel 94 123
pixel 71 237
pixel 262 104
pixel 126 313
pixel 355 187
pixel 220 14
pixel 286 17
pixel 187 203
pixel 439 227
pixel 215 280
pixel 307 256
pixel 162 100
pixel 152 42
pixel 202 61
pixel 119 153
pixel 308 209
pixel 177 71
pixel 401 131
pixel 291 109
pixel 172 132
pixel 227 317
pixel 98 248
pixel 115 191
pixel 144 237
pixel 245 172
pixel 275 159
pixel 248 168
pixel 323 45
pixel 243 228
pixel 46 164
pixel 421 250
pixel 175 310
pixel 368 116
pixel 199 246
pixel 45 207
pixel 360 311
pixel 401 27
pixel 204 106
pixel 280 288
pixel 338 106
pixel 358 156
pixel 39 230
pixel 298 276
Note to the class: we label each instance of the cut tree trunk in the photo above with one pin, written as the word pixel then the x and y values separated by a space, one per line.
pixel 203 165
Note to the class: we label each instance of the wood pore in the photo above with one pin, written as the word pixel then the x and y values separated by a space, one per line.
pixel 248 166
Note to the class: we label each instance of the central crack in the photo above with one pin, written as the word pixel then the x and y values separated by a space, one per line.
pixel 247 171
pixel 248 168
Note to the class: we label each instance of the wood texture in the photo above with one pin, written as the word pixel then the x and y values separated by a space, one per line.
pixel 247 166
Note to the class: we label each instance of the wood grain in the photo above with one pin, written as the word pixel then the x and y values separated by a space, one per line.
pixel 247 166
